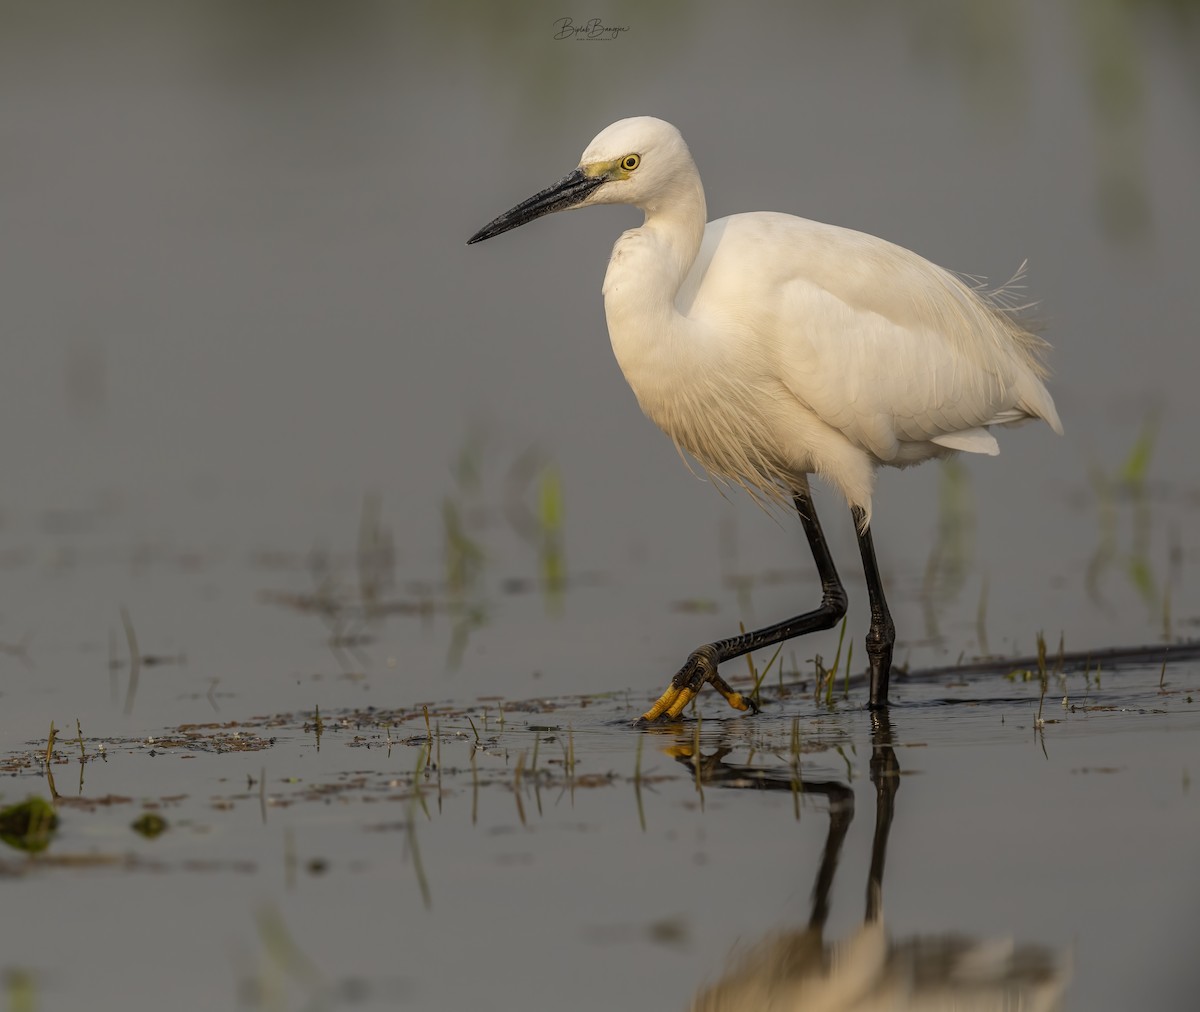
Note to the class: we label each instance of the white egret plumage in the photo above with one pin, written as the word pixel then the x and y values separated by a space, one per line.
pixel 770 347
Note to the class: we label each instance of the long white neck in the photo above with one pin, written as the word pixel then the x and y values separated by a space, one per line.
pixel 648 266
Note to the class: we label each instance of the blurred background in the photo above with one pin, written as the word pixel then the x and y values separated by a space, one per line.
pixel 258 390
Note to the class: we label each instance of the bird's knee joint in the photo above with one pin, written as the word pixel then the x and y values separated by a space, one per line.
pixel 881 637
pixel 835 602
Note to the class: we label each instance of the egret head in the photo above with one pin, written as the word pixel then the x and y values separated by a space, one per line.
pixel 633 161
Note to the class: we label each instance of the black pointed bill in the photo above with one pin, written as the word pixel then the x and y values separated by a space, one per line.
pixel 567 192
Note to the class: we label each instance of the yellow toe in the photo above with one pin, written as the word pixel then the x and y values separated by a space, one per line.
pixel 663 704
pixel 736 700
pixel 684 697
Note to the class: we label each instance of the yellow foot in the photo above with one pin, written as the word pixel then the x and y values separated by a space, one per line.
pixel 670 704
pixel 701 667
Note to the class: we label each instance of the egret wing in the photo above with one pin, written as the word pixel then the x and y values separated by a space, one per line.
pixel 876 341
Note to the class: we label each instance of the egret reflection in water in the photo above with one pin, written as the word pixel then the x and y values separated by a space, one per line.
pixel 869 971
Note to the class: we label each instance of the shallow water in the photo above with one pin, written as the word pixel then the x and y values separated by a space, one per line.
pixel 260 396
pixel 309 870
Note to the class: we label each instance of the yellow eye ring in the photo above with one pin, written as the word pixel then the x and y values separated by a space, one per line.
pixel 631 162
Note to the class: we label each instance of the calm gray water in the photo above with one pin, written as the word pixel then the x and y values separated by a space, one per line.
pixel 240 317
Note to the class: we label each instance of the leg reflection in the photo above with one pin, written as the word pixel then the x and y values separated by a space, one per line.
pixel 800 969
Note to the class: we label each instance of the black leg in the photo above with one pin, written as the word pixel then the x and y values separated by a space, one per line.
pixel 702 665
pixel 882 634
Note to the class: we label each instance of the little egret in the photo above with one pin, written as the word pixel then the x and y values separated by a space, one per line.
pixel 770 347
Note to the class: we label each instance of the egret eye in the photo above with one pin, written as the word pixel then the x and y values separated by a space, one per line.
pixel 631 162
